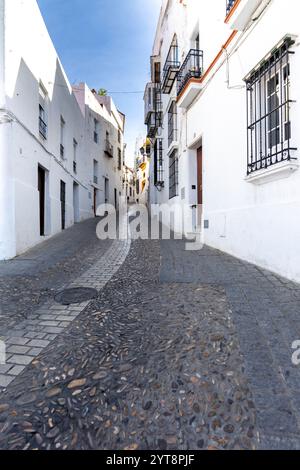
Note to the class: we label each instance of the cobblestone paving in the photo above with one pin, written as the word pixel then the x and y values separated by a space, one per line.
pixel 30 281
pixel 29 337
pixel 180 350
pixel 266 313
pixel 147 365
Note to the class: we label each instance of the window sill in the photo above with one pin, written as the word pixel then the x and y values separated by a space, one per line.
pixel 174 146
pixel 274 173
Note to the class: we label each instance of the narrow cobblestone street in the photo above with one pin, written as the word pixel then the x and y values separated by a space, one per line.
pixel 180 350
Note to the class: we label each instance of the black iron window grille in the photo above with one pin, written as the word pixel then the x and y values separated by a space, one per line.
pixel 119 159
pixel 42 122
pixel 173 174
pixel 229 6
pixel 158 163
pixel 75 167
pixel 172 123
pixel 192 67
pixel 268 111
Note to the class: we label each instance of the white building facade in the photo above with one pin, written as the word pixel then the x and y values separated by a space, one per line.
pixel 53 139
pixel 224 122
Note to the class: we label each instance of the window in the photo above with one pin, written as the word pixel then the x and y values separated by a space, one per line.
pixel 119 136
pixel 75 146
pixel 157 72
pixel 96 131
pixel 268 110
pixel 173 175
pixel 95 171
pixel 43 106
pixel 172 123
pixel 119 159
pixel 62 137
pixel 42 122
pixel 158 162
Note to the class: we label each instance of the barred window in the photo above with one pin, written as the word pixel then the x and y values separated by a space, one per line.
pixel 268 111
pixel 172 123
pixel 119 159
pixel 158 163
pixel 173 174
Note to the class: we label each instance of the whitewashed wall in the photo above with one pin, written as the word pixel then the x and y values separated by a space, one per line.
pixel 30 59
pixel 257 223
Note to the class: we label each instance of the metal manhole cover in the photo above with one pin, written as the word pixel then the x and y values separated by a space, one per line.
pixel 75 295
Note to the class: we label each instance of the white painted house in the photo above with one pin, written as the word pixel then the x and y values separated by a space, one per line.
pixel 224 121
pixel 54 163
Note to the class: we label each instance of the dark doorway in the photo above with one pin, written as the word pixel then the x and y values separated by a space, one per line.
pixel 95 202
pixel 200 175
pixel 116 199
pixel 63 204
pixel 76 202
pixel 41 189
pixel 106 190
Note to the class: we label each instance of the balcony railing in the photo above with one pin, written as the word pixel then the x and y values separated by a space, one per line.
pixel 42 128
pixel 62 151
pixel 154 122
pixel 229 6
pixel 192 67
pixel 109 149
pixel 171 68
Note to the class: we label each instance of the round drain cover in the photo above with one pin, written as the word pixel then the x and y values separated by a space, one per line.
pixel 75 295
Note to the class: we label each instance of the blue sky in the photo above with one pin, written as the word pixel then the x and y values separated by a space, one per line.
pixel 107 44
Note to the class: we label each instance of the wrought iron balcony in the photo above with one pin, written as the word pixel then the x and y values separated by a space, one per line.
pixel 229 6
pixel 171 68
pixel 153 124
pixel 109 149
pixel 43 128
pixel 149 100
pixel 192 67
pixel 153 109
pixel 152 99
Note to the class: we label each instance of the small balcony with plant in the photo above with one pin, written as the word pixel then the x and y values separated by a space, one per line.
pixel 189 78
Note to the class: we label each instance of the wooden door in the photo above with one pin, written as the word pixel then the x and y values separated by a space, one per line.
pixel 41 189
